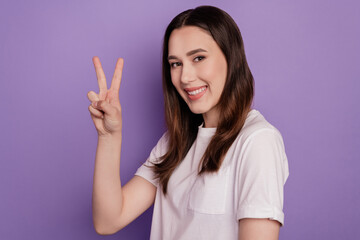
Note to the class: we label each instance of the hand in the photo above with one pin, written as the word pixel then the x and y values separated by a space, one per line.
pixel 105 109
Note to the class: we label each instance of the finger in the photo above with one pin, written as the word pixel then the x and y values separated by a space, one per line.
pixel 95 112
pixel 92 96
pixel 104 106
pixel 100 77
pixel 116 80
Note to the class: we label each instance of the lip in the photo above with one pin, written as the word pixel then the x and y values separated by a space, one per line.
pixel 197 96
pixel 193 88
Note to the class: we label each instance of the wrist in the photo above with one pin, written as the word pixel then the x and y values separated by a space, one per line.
pixel 114 137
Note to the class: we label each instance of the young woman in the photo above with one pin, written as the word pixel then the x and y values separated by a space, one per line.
pixel 219 170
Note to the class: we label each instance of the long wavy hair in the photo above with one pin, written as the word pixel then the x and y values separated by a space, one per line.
pixel 234 104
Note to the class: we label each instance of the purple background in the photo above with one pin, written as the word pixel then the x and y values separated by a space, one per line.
pixel 305 59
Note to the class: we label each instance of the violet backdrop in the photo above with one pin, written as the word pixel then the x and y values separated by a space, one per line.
pixel 304 56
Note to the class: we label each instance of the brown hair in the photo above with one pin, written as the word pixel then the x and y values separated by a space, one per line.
pixel 235 101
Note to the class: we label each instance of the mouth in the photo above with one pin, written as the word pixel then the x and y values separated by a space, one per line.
pixel 196 92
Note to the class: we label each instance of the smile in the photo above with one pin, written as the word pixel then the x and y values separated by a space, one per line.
pixel 196 93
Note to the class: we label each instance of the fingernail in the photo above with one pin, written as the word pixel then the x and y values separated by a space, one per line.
pixel 94 104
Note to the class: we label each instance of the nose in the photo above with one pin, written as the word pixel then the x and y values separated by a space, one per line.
pixel 188 73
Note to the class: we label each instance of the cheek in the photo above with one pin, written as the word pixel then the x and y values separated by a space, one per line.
pixel 221 69
pixel 215 73
pixel 175 80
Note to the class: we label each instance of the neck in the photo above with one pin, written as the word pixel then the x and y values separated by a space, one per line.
pixel 211 118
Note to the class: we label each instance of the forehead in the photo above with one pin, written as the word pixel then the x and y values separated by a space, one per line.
pixel 188 38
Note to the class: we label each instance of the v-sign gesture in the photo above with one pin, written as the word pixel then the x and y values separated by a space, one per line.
pixel 105 107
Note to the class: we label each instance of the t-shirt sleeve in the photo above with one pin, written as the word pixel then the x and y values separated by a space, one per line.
pixel 145 170
pixel 263 171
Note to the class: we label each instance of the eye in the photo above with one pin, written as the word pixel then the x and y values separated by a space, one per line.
pixel 175 64
pixel 199 58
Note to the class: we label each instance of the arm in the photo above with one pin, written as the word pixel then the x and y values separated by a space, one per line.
pixel 263 174
pixel 113 206
pixel 258 229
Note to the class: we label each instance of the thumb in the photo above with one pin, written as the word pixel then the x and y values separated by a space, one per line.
pixel 104 106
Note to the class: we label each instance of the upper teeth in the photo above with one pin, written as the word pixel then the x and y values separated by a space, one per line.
pixel 197 91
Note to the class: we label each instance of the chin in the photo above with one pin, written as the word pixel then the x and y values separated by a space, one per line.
pixel 197 110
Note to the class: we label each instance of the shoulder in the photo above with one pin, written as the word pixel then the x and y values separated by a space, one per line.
pixel 258 136
pixel 160 148
pixel 257 125
pixel 163 141
pixel 259 149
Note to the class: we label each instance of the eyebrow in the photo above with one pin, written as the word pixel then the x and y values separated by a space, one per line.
pixel 192 52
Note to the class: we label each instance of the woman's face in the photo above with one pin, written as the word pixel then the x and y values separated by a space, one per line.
pixel 198 70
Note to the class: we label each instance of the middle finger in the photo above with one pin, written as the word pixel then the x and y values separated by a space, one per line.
pixel 115 83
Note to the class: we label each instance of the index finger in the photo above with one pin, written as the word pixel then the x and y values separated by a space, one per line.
pixel 115 83
pixel 100 77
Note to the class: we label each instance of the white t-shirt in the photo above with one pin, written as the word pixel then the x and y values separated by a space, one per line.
pixel 249 184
